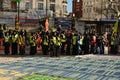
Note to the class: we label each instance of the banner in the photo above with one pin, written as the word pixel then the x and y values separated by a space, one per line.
pixel 115 28
pixel 46 25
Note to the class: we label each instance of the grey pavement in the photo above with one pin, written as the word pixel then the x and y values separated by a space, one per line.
pixel 83 67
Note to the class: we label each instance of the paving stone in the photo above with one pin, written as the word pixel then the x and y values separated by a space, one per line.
pixel 88 67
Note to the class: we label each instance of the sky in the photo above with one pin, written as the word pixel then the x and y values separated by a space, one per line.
pixel 69 8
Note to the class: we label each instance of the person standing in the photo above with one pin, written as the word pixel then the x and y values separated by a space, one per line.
pixel 54 39
pixel 63 42
pixel 86 43
pixel 51 46
pixel 80 45
pixel 116 43
pixel 6 43
pixel 58 45
pixel 14 43
pixel 33 48
pixel 45 44
pixel 21 41
pixel 69 43
pixel 74 44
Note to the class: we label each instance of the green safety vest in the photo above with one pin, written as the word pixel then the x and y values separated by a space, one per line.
pixel 31 38
pixel 7 38
pixel 33 43
pixel 54 40
pixel 112 40
pixel 74 38
pixel 81 40
pixel 21 40
pixel 58 43
pixel 14 38
pixel 51 43
pixel 63 39
pixel 45 41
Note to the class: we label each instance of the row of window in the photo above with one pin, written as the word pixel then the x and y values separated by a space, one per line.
pixel 40 6
pixel 90 2
pixel 49 0
pixel 92 8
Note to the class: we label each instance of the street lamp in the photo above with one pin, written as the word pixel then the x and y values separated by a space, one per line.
pixel 46 7
pixel 17 18
pixel 73 22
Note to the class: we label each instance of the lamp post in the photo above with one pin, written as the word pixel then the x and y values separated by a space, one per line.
pixel 73 22
pixel 46 8
pixel 100 30
pixel 18 11
pixel 17 18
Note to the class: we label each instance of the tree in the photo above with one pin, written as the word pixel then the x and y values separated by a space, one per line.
pixel 114 6
pixel 109 8
pixel 18 1
pixel 1 5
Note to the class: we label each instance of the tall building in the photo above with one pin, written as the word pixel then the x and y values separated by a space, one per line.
pixel 36 8
pixel 77 8
pixel 99 9
pixel 96 9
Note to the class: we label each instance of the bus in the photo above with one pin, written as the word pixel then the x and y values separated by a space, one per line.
pixel 64 23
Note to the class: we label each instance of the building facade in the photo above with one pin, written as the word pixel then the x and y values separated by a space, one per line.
pixel 99 9
pixel 96 9
pixel 36 8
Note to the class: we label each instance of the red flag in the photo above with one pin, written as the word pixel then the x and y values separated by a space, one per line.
pixel 46 25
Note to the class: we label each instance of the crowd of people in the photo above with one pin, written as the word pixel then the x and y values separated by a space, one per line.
pixel 60 42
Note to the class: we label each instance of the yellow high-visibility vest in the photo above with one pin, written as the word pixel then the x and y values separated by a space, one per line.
pixel 74 38
pixel 112 40
pixel 14 38
pixel 54 40
pixel 45 42
pixel 58 43
pixel 81 40
pixel 7 38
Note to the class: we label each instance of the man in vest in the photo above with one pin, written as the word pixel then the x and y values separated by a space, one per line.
pixel 68 42
pixel 58 45
pixel 114 43
pixel 51 46
pixel 86 42
pixel 14 43
pixel 63 42
pixel 74 44
pixel 54 38
pixel 21 42
pixel 80 45
pixel 33 48
pixel 6 43
pixel 45 44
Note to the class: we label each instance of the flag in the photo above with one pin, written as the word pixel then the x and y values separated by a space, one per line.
pixel 115 28
pixel 46 25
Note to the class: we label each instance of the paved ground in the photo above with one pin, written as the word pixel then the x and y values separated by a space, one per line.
pixel 85 67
